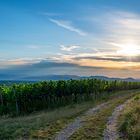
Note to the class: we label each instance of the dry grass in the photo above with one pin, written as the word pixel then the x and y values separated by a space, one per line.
pixel 129 121
pixel 42 124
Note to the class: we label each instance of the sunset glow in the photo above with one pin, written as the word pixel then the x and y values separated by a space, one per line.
pixel 129 49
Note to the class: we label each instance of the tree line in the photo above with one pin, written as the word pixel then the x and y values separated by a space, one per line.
pixel 27 98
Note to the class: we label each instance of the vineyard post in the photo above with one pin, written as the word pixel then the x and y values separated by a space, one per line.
pixel 17 108
pixel 1 98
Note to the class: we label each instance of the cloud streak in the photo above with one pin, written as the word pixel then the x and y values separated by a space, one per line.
pixel 69 48
pixel 112 58
pixel 68 25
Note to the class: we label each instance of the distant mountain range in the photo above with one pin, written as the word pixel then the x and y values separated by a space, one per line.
pixel 51 77
pixel 67 77
pixel 113 79
pixel 32 79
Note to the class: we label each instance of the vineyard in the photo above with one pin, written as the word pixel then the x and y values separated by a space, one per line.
pixel 26 98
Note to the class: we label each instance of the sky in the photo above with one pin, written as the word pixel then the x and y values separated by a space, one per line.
pixel 69 37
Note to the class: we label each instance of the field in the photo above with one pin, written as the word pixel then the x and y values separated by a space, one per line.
pixel 42 110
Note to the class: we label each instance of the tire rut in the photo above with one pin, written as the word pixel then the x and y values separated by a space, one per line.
pixel 77 123
pixel 111 132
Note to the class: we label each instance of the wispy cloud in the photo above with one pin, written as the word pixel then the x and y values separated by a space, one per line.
pixel 68 25
pixel 19 61
pixel 68 48
pixel 121 26
pixel 114 25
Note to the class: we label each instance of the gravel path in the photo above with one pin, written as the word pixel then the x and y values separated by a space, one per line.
pixel 111 133
pixel 78 122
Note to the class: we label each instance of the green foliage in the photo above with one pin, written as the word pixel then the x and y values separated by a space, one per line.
pixel 130 120
pixel 26 98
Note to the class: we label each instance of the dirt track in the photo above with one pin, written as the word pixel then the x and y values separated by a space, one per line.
pixel 78 123
pixel 111 132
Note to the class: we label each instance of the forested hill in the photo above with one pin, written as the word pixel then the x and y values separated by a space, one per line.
pixel 33 79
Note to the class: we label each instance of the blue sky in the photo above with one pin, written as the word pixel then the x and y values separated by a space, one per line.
pixel 94 37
